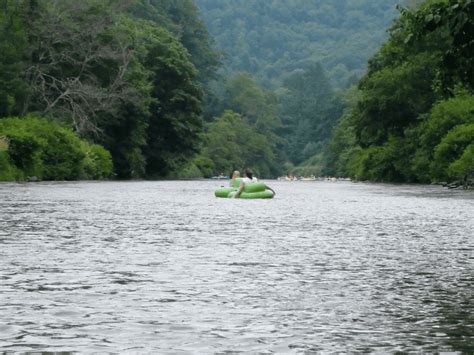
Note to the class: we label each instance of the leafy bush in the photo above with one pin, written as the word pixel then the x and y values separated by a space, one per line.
pixel 97 163
pixel 377 163
pixel 356 160
pixel 189 171
pixel 37 147
pixel 3 144
pixel 205 165
pixel 23 149
pixel 7 170
pixel 61 155
pixel 444 116
pixel 450 158
pixel 372 163
pixel 388 162
pixel 5 167
pixel 459 168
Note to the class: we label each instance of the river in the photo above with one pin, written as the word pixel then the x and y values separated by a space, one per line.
pixel 165 267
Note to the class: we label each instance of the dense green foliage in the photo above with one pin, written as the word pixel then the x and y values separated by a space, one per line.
pixel 34 147
pixel 13 40
pixel 182 19
pixel 414 118
pixel 140 79
pixel 310 110
pixel 271 39
pixel 294 124
pixel 301 50
pixel 244 135
pixel 127 74
pixel 234 143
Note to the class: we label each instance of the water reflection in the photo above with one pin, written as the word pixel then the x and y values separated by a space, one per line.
pixel 164 266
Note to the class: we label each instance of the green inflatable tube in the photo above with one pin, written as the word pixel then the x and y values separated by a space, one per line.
pixel 224 191
pixel 251 190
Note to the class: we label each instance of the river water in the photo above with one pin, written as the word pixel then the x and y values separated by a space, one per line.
pixel 165 267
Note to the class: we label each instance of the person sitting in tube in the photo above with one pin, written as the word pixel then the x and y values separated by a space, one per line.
pixel 234 175
pixel 247 179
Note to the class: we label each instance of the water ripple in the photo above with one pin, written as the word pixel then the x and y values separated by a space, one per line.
pixel 166 267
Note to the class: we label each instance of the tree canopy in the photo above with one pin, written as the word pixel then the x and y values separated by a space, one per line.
pixel 278 90
pixel 271 39
pixel 413 121
pixel 126 74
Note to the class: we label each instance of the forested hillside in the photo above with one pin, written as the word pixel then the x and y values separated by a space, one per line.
pixel 137 89
pixel 299 53
pixel 412 118
pixel 128 75
pixel 409 119
pixel 271 39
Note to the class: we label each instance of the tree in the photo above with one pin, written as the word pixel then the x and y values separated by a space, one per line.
pixel 13 57
pixel 270 39
pixel 455 19
pixel 79 61
pixel 310 111
pixel 175 111
pixel 118 77
pixel 182 19
pixel 257 105
pixel 413 120
pixel 343 139
pixel 232 143
pixel 444 118
pixel 393 97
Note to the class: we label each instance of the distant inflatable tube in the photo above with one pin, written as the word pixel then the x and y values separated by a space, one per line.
pixel 251 190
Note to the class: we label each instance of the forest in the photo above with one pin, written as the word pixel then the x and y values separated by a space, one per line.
pixel 133 89
pixel 124 75
pixel 271 39
pixel 411 117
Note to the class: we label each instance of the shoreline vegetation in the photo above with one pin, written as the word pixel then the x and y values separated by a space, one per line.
pixel 139 90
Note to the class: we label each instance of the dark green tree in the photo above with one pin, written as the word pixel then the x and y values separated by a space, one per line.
pixel 13 56
pixel 310 110
pixel 121 77
pixel 412 122
pixel 175 111
pixel 455 20
pixel 183 20
pixel 232 143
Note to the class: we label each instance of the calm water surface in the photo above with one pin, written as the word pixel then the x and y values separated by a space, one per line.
pixel 166 267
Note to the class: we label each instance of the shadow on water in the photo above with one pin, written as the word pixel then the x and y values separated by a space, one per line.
pixel 457 323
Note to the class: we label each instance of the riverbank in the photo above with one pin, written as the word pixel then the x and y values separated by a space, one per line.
pixel 457 185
